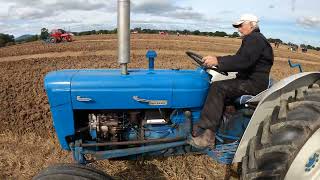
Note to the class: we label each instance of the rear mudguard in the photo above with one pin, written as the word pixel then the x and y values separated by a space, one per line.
pixel 268 100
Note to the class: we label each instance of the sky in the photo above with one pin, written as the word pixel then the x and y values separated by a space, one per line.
pixel 296 21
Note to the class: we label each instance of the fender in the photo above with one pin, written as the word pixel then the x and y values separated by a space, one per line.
pixel 268 99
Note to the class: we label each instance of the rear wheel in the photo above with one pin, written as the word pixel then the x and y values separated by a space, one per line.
pixel 53 40
pixel 287 145
pixel 69 38
pixel 71 172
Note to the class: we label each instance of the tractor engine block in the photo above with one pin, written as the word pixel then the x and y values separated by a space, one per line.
pixel 106 126
pixel 116 126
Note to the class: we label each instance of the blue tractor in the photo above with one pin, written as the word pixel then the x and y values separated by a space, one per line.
pixel 121 113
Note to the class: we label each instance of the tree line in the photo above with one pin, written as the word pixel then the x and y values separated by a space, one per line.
pixel 9 40
pixel 6 39
pixel 156 31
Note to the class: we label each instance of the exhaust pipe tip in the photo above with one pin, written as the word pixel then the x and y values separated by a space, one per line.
pixel 124 35
pixel 124 69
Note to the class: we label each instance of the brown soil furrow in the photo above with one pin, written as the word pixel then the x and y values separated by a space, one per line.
pixel 163 40
pixel 27 138
pixel 134 52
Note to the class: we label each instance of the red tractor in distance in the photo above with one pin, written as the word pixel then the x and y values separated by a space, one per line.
pixel 60 35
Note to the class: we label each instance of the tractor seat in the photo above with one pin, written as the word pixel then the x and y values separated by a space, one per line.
pixel 242 100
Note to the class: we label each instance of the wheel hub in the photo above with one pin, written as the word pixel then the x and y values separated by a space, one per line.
pixel 313 160
pixel 306 164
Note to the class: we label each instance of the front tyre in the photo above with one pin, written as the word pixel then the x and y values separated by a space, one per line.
pixel 71 172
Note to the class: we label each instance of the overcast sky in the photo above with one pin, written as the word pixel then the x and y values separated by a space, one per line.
pixel 297 21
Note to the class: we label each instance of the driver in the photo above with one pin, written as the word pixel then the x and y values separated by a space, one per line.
pixel 253 62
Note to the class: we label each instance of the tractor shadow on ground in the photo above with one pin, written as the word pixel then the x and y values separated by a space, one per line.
pixel 141 170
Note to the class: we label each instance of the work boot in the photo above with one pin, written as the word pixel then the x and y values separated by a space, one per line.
pixel 197 130
pixel 205 140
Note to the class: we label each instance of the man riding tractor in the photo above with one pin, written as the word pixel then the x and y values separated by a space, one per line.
pixel 253 62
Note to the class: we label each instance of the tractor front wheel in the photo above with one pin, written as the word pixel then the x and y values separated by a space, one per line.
pixel 53 40
pixel 69 38
pixel 287 144
pixel 70 172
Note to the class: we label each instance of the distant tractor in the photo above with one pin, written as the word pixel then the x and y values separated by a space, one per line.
pixel 304 50
pixel 293 48
pixel 59 35
pixel 135 32
pixel 163 33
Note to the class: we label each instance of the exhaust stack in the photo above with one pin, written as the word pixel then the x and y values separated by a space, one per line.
pixel 124 35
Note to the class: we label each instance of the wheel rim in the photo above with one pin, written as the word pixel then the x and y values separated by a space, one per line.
pixel 306 165
pixel 52 40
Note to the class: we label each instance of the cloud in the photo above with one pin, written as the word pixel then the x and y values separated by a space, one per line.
pixel 156 7
pixel 271 6
pixel 86 5
pixel 293 5
pixel 309 21
pixel 22 13
pixel 20 17
pixel 38 9
pixel 225 12
pixel 69 21
pixel 165 8
pixel 186 15
pixel 30 16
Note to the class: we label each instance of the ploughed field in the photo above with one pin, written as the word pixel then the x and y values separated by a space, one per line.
pixel 27 138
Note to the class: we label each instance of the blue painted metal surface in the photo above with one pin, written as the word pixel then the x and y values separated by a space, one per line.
pixel 58 87
pixel 295 65
pixel 151 55
pixel 228 136
pixel 180 127
pixel 223 153
pixel 93 134
pixel 132 151
pixel 155 132
pixel 70 90
pixel 77 152
pixel 178 117
pixel 106 89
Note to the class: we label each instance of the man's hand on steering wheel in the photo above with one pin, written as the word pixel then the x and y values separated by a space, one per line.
pixel 210 61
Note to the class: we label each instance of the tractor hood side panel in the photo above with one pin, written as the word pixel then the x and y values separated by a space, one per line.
pixel 190 89
pixel 58 88
pixel 141 89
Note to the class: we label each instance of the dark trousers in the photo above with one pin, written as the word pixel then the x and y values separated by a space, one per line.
pixel 221 92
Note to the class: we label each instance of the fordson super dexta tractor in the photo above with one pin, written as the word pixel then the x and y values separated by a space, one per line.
pixel 129 113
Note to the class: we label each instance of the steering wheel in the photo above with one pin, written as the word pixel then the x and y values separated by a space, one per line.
pixel 199 60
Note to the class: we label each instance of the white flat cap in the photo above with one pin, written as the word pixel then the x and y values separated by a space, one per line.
pixel 245 17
